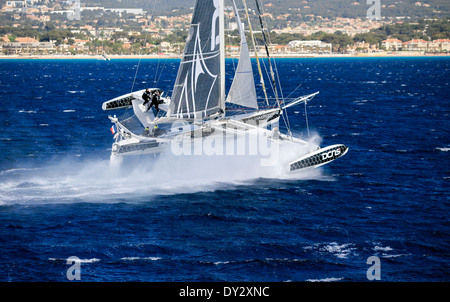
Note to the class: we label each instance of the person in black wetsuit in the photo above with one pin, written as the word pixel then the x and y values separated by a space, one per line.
pixel 146 97
pixel 155 102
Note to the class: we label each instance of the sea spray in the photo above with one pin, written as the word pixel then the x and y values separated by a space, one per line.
pixel 142 177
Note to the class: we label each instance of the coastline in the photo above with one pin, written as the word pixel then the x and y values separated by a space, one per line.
pixel 99 57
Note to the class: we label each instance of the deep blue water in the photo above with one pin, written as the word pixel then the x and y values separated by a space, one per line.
pixel 388 197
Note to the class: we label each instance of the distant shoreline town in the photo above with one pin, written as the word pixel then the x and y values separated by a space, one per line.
pixel 57 29
pixel 293 56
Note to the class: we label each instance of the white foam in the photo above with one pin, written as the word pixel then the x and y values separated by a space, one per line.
pixel 383 249
pixel 339 250
pixel 325 280
pixel 27 111
pixel 140 258
pixel 115 181
pixel 395 256
pixel 92 260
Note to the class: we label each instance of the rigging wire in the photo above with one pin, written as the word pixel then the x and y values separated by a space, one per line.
pixel 135 75
pixel 256 51
pixel 306 118
pixel 140 51
pixel 285 116
pixel 274 61
pixel 267 50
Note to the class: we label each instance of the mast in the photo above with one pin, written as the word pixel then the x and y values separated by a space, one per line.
pixel 222 53
pixel 256 52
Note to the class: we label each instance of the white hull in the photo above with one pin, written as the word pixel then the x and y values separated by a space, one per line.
pixel 129 144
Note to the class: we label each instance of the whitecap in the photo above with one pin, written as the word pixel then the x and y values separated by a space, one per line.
pixel 140 258
pixel 383 249
pixel 394 256
pixel 331 279
pixel 27 111
pixel 339 250
pixel 221 262
pixel 92 260
pixel 69 110
pixel 443 149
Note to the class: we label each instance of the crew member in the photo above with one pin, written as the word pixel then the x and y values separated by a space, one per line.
pixel 146 97
pixel 155 101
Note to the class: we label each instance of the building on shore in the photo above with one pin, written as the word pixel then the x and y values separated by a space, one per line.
pixel 443 45
pixel 392 44
pixel 416 45
pixel 314 46
pixel 27 45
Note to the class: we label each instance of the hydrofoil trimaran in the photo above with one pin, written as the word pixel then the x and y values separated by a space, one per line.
pixel 199 109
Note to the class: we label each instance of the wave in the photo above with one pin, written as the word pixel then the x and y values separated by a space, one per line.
pixel 140 258
pixel 325 280
pixel 17 170
pixel 91 260
pixel 382 249
pixel 341 251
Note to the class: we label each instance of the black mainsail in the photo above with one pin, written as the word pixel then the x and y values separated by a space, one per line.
pixel 197 90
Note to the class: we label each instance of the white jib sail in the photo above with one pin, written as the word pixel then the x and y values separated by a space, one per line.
pixel 242 91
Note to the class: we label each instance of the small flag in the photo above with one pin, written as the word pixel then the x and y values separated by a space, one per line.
pixel 113 129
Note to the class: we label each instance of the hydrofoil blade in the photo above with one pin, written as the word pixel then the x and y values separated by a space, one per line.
pixel 319 157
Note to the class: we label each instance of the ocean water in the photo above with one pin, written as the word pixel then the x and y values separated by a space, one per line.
pixel 203 220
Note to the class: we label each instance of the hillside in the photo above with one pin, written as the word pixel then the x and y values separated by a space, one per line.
pixel 324 8
pixel 413 9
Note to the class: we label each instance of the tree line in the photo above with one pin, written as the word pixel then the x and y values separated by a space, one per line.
pixel 422 29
